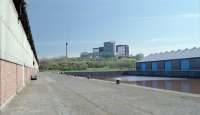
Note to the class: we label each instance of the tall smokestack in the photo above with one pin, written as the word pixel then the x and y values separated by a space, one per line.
pixel 66 50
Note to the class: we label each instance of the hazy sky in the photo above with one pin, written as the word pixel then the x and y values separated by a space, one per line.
pixel 147 26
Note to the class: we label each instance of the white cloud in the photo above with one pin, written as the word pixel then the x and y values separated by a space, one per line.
pixel 178 16
pixel 166 44
pixel 190 15
pixel 172 39
pixel 57 43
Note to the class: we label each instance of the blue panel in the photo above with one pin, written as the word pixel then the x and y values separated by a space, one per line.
pixel 168 66
pixel 143 66
pixel 154 66
pixel 185 65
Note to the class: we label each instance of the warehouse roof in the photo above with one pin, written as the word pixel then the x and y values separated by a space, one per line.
pixel 179 54
pixel 20 6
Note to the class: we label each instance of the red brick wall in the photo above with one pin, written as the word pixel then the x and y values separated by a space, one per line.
pixel 12 79
pixel 8 80
pixel 19 78
pixel 0 83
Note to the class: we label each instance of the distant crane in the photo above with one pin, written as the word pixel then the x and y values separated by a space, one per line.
pixel 66 50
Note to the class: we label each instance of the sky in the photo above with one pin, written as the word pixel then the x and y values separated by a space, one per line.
pixel 147 26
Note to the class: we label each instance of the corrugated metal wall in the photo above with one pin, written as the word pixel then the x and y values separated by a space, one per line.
pixel 161 66
pixel 176 65
pixel 195 64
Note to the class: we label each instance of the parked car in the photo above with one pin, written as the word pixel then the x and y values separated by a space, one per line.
pixel 34 77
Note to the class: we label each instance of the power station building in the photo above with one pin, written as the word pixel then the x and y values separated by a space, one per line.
pixel 18 58
pixel 109 49
pixel 95 53
pixel 180 61
pixel 122 50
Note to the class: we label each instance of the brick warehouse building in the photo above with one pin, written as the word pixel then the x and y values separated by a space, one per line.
pixel 181 63
pixel 18 58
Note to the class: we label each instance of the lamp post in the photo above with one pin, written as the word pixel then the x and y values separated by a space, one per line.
pixel 66 50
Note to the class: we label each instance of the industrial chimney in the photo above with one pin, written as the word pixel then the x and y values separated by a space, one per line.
pixel 66 50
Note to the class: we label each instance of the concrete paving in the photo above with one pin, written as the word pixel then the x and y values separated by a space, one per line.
pixel 54 94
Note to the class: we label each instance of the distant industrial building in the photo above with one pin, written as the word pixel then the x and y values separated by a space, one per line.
pixel 86 55
pixel 98 52
pixel 95 53
pixel 122 50
pixel 174 61
pixel 101 52
pixel 109 49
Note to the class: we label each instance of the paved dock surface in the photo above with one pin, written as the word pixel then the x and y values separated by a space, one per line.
pixel 54 94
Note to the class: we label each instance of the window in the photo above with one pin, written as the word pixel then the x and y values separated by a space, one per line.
pixel 168 65
pixel 185 65
pixel 154 66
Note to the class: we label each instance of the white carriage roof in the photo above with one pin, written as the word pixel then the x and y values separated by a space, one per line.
pixel 179 54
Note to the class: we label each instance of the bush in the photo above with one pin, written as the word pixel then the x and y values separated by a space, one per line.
pixel 70 64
